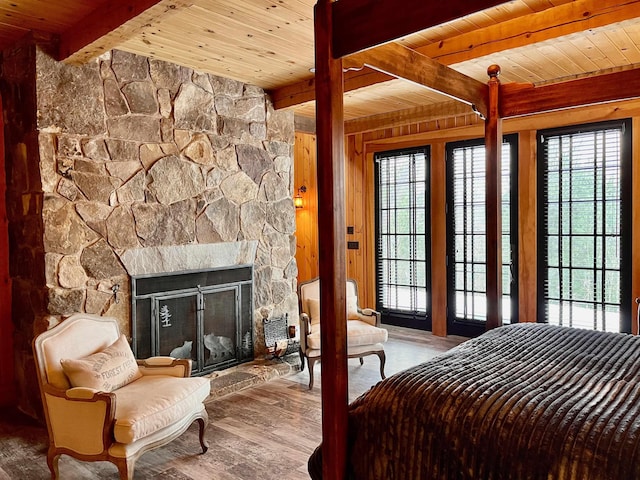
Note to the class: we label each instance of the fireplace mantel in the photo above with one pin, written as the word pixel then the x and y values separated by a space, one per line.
pixel 178 258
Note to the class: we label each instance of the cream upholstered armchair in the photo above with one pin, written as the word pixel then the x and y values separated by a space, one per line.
pixel 364 335
pixel 100 403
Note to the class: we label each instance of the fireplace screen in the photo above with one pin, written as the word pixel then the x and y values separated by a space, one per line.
pixel 205 316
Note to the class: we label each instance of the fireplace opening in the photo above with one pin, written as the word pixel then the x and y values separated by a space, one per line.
pixel 204 315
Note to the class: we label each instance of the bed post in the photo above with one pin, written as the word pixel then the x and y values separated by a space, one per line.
pixel 332 248
pixel 493 145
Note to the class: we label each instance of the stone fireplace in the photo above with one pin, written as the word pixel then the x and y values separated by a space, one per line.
pixel 128 166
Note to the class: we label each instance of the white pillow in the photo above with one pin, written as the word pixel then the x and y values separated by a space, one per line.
pixel 352 308
pixel 313 305
pixel 107 370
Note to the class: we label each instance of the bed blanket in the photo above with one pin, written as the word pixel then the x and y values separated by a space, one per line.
pixel 525 401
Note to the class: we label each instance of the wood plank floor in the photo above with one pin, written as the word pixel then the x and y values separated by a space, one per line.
pixel 264 432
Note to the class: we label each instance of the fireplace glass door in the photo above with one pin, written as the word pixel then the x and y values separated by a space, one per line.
pixel 176 331
pixel 202 326
pixel 205 316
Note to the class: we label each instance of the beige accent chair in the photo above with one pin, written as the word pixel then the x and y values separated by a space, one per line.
pixel 364 335
pixel 118 426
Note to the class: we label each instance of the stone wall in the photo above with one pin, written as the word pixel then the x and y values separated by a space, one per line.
pixel 135 153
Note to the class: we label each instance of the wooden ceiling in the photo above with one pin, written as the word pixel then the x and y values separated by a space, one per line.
pixel 269 43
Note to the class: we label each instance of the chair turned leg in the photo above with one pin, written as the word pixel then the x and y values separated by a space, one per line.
pixel 52 462
pixel 383 359
pixel 312 362
pixel 202 423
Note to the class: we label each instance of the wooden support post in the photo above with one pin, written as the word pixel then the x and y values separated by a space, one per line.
pixel 332 248
pixel 493 145
pixel 7 387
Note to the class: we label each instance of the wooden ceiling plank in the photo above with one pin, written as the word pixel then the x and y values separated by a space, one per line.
pixel 360 24
pixel 404 63
pixel 253 24
pixel 555 22
pixel 547 24
pixel 111 24
pixel 526 99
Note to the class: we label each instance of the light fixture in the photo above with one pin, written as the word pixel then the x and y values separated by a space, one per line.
pixel 297 200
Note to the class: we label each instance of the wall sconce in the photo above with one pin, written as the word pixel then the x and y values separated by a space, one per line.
pixel 297 200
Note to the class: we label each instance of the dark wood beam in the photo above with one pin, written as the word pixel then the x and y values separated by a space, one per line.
pixel 109 25
pixel 361 24
pixel 493 201
pixel 526 30
pixel 402 62
pixel 331 246
pixel 518 99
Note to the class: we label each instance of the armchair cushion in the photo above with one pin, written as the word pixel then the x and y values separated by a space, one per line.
pixel 154 402
pixel 106 370
pixel 358 333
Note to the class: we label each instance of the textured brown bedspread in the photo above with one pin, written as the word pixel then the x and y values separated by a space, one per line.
pixel 527 401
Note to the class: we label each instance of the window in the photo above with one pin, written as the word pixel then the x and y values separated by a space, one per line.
pixel 402 233
pixel 466 235
pixel 584 226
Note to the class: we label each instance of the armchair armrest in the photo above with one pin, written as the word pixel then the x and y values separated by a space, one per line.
pixel 305 329
pixel 175 367
pixel 80 419
pixel 370 316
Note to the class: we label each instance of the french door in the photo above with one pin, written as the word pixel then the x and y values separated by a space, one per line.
pixel 403 289
pixel 466 236
pixel 584 226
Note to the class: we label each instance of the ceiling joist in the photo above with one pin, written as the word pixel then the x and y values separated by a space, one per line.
pixel 111 24
pixel 404 63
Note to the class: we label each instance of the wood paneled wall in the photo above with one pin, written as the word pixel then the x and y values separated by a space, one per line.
pixel 307 216
pixel 360 200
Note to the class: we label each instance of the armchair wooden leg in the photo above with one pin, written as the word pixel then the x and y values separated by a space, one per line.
pixel 202 423
pixel 52 462
pixel 361 361
pixel 301 360
pixel 125 468
pixel 312 362
pixel 383 359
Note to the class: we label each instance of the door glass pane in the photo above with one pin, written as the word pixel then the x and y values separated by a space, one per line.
pixel 581 229
pixel 467 211
pixel 402 234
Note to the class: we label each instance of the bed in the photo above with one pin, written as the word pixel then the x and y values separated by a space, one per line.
pixel 525 401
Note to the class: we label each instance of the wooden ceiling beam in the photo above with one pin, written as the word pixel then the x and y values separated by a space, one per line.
pixel 554 22
pixel 404 63
pixel 517 99
pixel 111 24
pixel 399 118
pixel 551 23
pixel 361 24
